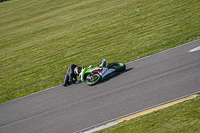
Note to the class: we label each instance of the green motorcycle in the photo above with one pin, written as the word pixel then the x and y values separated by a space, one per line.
pixel 93 74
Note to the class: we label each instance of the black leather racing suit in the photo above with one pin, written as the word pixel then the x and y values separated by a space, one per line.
pixel 70 76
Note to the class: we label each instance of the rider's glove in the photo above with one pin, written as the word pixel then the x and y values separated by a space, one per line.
pixel 78 81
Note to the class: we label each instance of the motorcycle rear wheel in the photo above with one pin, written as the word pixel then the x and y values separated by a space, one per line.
pixel 95 78
pixel 118 66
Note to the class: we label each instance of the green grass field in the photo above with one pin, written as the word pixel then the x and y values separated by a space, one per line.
pixel 40 39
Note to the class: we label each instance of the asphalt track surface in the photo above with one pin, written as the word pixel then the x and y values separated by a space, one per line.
pixel 147 82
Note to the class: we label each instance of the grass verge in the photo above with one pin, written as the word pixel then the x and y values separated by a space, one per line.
pixel 40 39
pixel 180 118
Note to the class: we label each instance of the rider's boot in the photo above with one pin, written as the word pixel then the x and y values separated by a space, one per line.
pixel 65 82
pixel 103 63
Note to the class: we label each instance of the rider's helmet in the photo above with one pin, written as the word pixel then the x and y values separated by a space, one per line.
pixel 77 70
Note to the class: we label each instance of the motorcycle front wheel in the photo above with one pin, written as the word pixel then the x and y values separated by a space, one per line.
pixel 92 79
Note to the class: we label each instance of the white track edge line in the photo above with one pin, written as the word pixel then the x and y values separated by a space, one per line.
pixel 86 130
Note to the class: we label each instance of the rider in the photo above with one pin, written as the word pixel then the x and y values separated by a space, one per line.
pixel 74 71
pixel 71 75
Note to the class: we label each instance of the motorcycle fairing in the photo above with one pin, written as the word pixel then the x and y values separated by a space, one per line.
pixel 103 71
